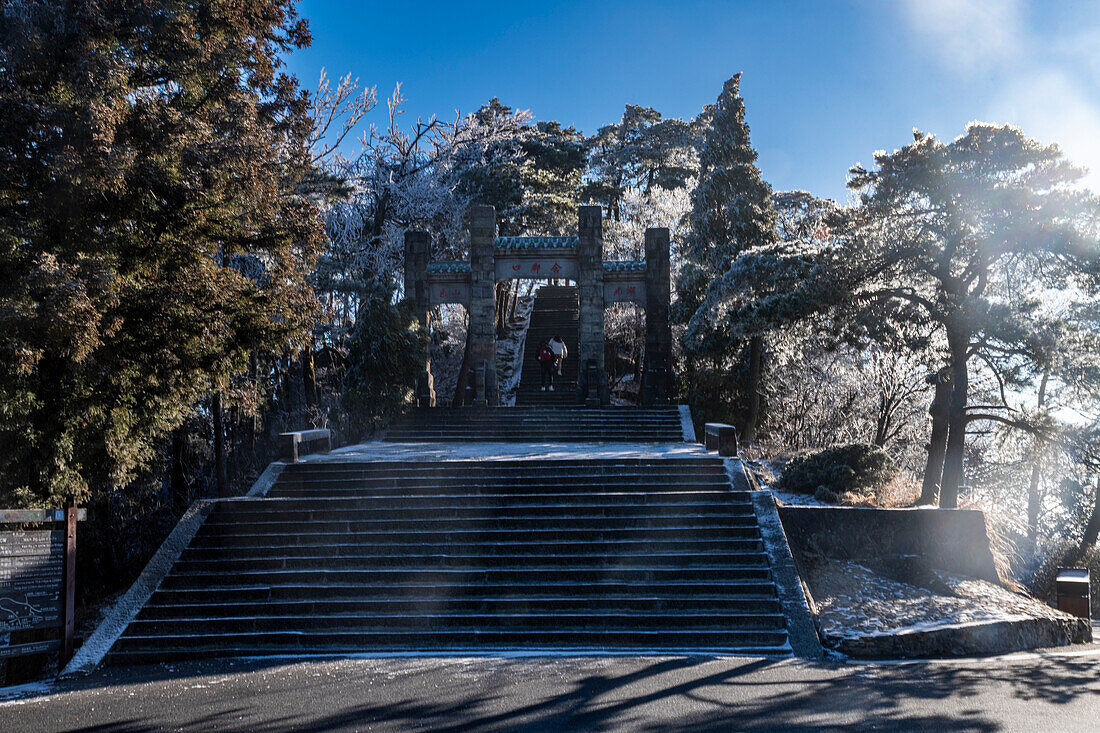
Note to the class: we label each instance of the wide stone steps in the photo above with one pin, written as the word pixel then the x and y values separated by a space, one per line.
pixel 627 555
pixel 244 534
pixel 140 649
pixel 671 590
pixel 192 576
pixel 481 495
pixel 622 418
pixel 454 619
pixel 600 466
pixel 459 435
pixel 556 312
pixel 483 510
pixel 565 482
pixel 465 561
pixel 212 604
pixel 209 548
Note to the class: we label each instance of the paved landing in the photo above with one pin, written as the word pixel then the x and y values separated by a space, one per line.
pixel 380 451
pixel 1021 692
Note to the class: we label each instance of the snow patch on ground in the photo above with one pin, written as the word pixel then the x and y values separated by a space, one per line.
pixel 380 451
pixel 687 426
pixel 510 353
pixel 790 499
pixel 17 693
pixel 854 601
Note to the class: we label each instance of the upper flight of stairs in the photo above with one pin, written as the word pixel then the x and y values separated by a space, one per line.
pixel 555 313
pixel 539 424
pixel 465 556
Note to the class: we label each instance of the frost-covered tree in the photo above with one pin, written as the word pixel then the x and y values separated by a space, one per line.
pixel 731 212
pixel 938 230
pixel 554 163
pixel 409 178
pixel 624 327
pixel 945 222
pixel 642 151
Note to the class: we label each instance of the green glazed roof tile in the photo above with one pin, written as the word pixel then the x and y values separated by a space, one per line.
pixel 448 266
pixel 536 242
pixel 625 266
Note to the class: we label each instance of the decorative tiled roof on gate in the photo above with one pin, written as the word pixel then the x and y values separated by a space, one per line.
pixel 448 266
pixel 624 266
pixel 536 242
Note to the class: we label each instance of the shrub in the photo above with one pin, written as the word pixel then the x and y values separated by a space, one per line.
pixel 856 468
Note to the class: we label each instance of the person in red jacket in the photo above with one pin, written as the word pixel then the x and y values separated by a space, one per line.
pixel 546 360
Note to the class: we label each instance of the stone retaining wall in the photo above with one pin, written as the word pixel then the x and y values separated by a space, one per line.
pixel 953 540
pixel 914 583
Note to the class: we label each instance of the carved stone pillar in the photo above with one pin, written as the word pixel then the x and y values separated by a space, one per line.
pixel 483 335
pixel 590 287
pixel 418 251
pixel 656 386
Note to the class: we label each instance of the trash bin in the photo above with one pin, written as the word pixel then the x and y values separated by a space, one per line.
pixel 1073 592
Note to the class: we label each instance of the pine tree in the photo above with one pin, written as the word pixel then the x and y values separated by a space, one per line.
pixel 150 236
pixel 731 211
pixel 641 151
pixel 941 225
pixel 950 243
pixel 554 158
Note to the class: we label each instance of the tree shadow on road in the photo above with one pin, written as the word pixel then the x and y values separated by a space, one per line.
pixel 692 694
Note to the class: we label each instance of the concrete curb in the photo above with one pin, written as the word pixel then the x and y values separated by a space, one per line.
pixel 266 480
pixel 800 622
pixel 91 654
pixel 969 639
pixel 114 623
pixel 687 427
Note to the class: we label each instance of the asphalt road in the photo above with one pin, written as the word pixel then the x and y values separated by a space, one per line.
pixel 1054 692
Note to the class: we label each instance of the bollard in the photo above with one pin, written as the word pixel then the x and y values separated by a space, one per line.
pixel 720 437
pixel 592 389
pixel 1072 586
pixel 471 387
pixel 479 393
pixel 425 389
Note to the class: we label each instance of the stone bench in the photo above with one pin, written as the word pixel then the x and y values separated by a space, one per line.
pixel 289 442
pixel 721 437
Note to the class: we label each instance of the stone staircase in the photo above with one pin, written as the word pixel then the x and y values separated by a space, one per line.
pixel 614 555
pixel 555 312
pixel 538 425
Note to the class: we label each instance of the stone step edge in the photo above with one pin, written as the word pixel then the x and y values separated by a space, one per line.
pixel 595 614
pixel 701 598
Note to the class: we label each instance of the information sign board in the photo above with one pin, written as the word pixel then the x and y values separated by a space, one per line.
pixel 31 579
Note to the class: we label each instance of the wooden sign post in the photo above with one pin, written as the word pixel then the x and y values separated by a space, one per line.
pixel 38 579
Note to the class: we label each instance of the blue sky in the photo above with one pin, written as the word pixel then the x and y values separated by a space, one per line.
pixel 825 83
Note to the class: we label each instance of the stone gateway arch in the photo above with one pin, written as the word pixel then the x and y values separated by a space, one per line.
pixel 579 258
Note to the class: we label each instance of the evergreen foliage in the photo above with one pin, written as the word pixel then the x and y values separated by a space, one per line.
pixel 641 152
pixel 531 177
pixel 942 232
pixel 150 238
pixel 857 467
pixel 949 244
pixel 731 205
pixel 385 355
pixel 731 212
pixel 554 160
